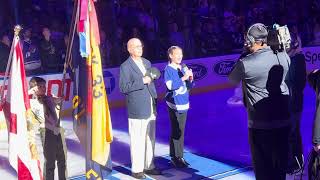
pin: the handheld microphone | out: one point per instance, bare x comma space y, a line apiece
185, 69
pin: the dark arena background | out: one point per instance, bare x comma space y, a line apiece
211, 35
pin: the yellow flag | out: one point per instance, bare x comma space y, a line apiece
101, 120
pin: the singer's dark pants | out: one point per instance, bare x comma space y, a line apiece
178, 122
53, 150
269, 152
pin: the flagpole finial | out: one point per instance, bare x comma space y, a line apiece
17, 30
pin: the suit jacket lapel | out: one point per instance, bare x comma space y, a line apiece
134, 66
145, 64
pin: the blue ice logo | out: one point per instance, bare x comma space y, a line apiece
109, 81
223, 68
199, 71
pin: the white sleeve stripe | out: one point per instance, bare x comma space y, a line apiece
181, 90
169, 84
178, 107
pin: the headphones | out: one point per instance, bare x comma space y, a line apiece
250, 40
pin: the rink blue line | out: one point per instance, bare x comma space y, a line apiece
110, 177
200, 168
206, 167
230, 173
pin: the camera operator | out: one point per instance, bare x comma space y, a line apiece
262, 73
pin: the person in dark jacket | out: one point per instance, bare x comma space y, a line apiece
296, 81
49, 53
32, 62
314, 162
314, 81
141, 95
4, 52
45, 110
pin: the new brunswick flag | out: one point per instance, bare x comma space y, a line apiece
23, 155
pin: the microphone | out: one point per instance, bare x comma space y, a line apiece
185, 69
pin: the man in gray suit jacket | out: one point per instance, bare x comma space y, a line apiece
141, 95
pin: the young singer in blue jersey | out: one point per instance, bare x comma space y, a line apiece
179, 80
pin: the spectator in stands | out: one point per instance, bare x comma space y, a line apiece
135, 32
5, 39
56, 30
63, 49
148, 24
31, 54
175, 36
105, 47
211, 43
152, 18
4, 51
229, 19
36, 29
237, 36
118, 50
164, 16
203, 8
229, 28
188, 43
129, 15
316, 32
49, 56
197, 36
255, 14
214, 10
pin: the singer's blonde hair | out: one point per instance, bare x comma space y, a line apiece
170, 51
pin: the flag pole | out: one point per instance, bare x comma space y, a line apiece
68, 57
17, 30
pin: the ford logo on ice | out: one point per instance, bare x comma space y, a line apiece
199, 71
223, 68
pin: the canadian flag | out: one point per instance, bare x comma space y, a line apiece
23, 155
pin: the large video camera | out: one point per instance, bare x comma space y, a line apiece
279, 38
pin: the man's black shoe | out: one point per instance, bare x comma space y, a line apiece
176, 162
183, 161
139, 175
153, 171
